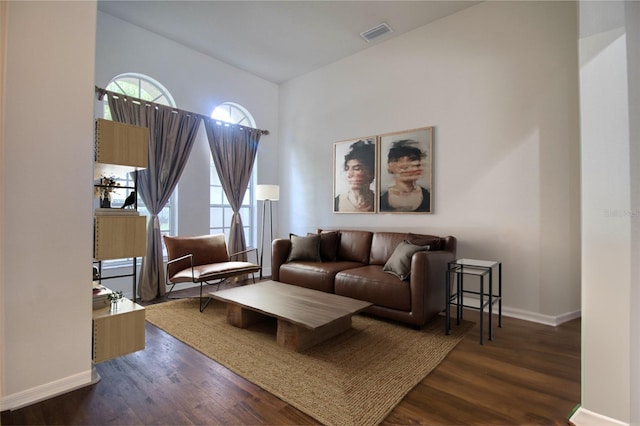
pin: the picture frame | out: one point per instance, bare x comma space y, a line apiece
355, 175
405, 177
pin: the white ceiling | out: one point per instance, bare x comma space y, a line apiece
278, 40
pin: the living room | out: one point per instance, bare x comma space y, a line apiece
498, 81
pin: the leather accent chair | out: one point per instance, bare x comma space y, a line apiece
204, 260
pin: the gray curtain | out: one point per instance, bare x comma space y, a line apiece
171, 136
234, 150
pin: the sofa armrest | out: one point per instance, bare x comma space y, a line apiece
280, 249
428, 281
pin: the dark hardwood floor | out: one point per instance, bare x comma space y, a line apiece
528, 375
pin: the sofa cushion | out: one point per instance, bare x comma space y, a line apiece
399, 264
314, 275
382, 246
304, 248
371, 284
355, 246
435, 243
328, 245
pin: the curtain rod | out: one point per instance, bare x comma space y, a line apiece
102, 92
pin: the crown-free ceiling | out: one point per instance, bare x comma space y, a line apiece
278, 40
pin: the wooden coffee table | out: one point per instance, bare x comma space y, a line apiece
305, 317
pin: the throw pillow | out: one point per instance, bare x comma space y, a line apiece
399, 264
328, 245
304, 248
434, 243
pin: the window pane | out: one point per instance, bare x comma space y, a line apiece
228, 213
245, 214
217, 196
215, 218
247, 236
164, 218
214, 179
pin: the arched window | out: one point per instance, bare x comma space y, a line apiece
138, 86
230, 112
220, 211
144, 87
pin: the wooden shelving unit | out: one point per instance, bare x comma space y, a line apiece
118, 234
119, 148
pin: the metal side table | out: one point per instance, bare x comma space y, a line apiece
481, 269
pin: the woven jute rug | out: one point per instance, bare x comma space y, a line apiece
355, 378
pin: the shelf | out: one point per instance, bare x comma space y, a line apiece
121, 144
473, 302
119, 332
120, 236
101, 169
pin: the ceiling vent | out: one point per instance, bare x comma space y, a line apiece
375, 32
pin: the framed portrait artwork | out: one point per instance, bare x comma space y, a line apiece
354, 175
405, 172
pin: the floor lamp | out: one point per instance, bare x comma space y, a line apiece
266, 194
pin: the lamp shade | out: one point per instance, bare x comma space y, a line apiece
268, 192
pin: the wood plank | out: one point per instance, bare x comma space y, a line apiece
120, 143
117, 237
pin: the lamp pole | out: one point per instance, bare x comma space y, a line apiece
268, 194
264, 209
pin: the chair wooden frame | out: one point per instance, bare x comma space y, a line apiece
203, 268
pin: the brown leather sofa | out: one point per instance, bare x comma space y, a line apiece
355, 269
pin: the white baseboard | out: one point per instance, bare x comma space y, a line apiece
584, 417
527, 315
551, 320
48, 390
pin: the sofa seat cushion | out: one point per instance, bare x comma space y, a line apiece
214, 271
372, 284
314, 275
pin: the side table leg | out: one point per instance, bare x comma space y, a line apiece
459, 296
500, 294
482, 309
447, 303
490, 304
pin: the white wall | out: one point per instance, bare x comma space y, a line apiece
46, 199
610, 99
499, 81
197, 83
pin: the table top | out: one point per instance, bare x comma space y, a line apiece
475, 262
299, 305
